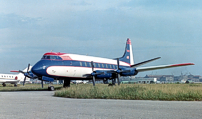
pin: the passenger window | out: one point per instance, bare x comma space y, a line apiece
89, 64
102, 66
110, 66
80, 63
99, 65
106, 65
85, 64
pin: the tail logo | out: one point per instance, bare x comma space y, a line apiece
129, 42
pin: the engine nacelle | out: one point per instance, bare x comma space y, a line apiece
104, 74
129, 71
45, 78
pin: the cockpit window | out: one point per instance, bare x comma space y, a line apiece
52, 57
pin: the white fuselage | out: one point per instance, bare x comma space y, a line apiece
80, 71
11, 78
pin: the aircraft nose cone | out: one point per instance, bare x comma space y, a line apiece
38, 69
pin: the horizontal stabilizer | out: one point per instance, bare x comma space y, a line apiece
15, 71
141, 69
142, 63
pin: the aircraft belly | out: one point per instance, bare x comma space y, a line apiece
66, 71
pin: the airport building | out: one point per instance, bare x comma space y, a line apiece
141, 80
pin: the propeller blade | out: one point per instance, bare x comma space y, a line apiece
28, 68
118, 72
93, 80
21, 72
118, 79
25, 74
92, 66
118, 63
24, 81
42, 83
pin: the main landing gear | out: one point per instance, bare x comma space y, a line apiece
15, 85
113, 82
4, 85
66, 83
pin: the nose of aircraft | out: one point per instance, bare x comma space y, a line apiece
38, 69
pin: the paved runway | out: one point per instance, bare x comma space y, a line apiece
42, 104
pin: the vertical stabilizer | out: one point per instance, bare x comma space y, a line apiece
128, 55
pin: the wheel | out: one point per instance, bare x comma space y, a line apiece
51, 88
15, 85
4, 84
110, 84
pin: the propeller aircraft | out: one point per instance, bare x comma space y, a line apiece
67, 67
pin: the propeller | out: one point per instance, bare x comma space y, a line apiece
118, 71
42, 83
93, 74
26, 74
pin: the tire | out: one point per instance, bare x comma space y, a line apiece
51, 88
4, 85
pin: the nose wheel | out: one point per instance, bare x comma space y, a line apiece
51, 88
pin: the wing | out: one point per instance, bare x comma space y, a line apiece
141, 69
142, 63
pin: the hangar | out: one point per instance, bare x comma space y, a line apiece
140, 80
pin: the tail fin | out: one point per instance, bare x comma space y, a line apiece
128, 55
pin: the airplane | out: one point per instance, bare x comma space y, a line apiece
12, 78
67, 67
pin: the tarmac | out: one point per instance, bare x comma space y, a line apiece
43, 105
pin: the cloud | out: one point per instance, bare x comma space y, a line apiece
17, 21
171, 29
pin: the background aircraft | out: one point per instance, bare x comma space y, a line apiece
13, 78
67, 67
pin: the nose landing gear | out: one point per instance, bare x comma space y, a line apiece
50, 87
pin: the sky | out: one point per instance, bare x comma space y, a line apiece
171, 29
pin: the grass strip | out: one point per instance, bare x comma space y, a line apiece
171, 92
27, 87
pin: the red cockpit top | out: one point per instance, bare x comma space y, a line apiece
54, 53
